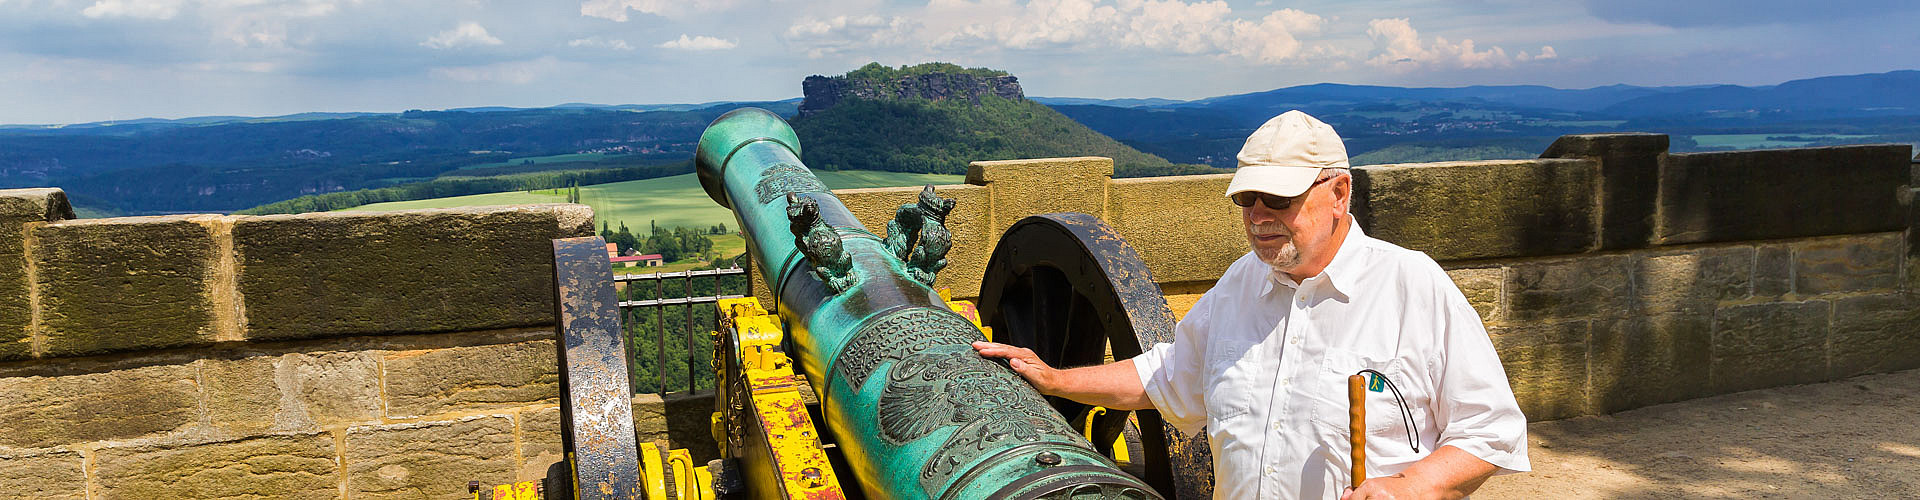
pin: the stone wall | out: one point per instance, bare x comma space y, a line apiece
307, 356
1610, 273
404, 354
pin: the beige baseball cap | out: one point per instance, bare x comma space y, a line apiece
1286, 154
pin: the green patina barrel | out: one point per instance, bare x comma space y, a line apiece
916, 412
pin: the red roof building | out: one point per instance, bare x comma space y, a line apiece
648, 260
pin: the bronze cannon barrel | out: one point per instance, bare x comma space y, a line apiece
916, 412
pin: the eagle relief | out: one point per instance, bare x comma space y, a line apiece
951, 385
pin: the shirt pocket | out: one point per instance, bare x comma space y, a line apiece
1388, 437
1229, 381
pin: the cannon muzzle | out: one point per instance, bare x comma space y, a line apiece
916, 413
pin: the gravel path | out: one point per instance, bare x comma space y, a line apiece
1855, 438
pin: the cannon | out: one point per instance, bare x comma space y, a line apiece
857, 380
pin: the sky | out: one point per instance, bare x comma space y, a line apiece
76, 61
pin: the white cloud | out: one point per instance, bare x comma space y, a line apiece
616, 10
141, 9
1546, 52
595, 42
701, 42
1168, 26
840, 34
1398, 45
466, 35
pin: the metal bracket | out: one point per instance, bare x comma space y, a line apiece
769, 430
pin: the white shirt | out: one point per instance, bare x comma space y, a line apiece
1262, 362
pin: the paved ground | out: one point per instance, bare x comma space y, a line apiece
1856, 438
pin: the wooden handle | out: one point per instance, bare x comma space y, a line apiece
1357, 425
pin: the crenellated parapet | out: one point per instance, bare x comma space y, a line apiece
405, 353
1611, 273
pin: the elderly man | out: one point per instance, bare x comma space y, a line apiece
1262, 360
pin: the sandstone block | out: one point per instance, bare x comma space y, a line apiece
1769, 345
39, 412
333, 387
1482, 288
1019, 188
35, 204
1851, 264
1772, 270
1482, 209
1193, 240
1547, 367
1647, 360
1738, 195
1911, 280
243, 395
1629, 166
17, 208
540, 442
124, 284
649, 418
1875, 333
429, 460
681, 421
689, 418
1694, 281
1568, 289
347, 273
968, 222
58, 475
292, 466
435, 381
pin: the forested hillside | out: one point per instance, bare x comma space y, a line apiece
917, 135
936, 117
173, 167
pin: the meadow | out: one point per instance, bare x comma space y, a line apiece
666, 202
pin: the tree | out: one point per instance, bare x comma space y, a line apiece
625, 239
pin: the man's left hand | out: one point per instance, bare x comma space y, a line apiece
1394, 487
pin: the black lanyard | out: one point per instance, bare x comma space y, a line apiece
1413, 432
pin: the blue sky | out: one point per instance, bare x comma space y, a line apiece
69, 61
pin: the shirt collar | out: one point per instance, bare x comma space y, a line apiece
1340, 273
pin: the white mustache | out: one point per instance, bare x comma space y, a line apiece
1270, 229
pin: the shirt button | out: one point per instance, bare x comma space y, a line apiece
1294, 341
1283, 380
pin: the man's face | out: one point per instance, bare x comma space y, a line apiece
1303, 231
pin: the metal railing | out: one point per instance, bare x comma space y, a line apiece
650, 311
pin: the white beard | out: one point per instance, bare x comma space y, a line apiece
1284, 260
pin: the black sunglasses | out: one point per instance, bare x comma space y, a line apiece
1245, 198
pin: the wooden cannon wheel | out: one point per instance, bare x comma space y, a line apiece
1067, 286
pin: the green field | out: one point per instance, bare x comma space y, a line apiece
536, 160
667, 201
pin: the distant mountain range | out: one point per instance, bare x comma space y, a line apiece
1876, 93
224, 163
